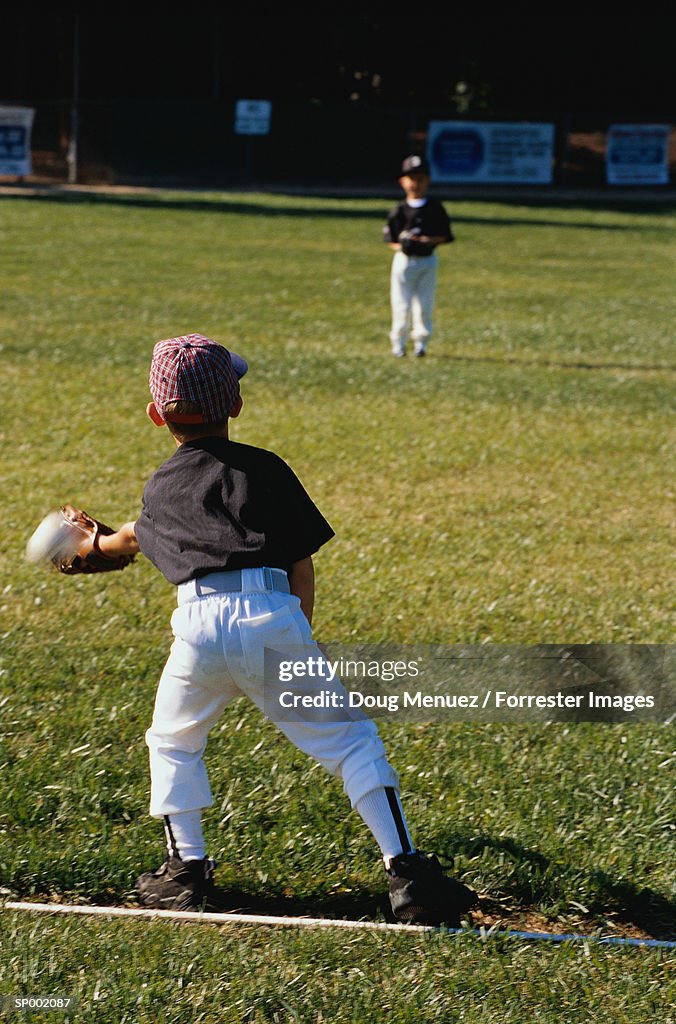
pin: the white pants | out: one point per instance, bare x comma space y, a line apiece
217, 655
413, 282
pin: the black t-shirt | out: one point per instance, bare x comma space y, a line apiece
430, 219
218, 505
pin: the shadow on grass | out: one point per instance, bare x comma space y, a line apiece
204, 204
537, 878
530, 880
74, 883
556, 365
359, 904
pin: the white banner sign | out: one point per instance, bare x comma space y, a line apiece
252, 117
15, 140
479, 151
638, 154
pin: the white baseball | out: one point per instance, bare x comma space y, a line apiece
55, 537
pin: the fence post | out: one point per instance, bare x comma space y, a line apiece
72, 155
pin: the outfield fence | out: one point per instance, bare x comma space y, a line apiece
192, 142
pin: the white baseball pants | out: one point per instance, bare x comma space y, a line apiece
217, 655
413, 282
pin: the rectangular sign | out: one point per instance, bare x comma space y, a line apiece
252, 117
480, 151
638, 154
15, 140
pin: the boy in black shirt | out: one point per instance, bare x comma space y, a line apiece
232, 526
415, 227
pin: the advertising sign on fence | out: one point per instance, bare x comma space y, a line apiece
15, 140
252, 117
638, 154
479, 151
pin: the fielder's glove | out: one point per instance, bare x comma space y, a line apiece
94, 561
410, 244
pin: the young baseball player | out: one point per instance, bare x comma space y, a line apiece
231, 526
414, 229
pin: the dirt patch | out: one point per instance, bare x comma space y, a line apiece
529, 919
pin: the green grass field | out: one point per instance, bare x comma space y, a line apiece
514, 487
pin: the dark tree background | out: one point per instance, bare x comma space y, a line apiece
495, 65
351, 92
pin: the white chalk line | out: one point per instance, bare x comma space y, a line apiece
320, 922
206, 918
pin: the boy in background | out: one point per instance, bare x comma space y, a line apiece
414, 229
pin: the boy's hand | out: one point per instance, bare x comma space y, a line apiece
414, 244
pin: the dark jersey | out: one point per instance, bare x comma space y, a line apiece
218, 505
430, 219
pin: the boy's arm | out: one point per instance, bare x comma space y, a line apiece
391, 232
123, 542
434, 239
442, 232
302, 584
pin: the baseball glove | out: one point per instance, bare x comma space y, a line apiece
94, 561
411, 246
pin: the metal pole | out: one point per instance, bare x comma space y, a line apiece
564, 151
72, 156
249, 158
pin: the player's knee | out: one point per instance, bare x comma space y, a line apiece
360, 778
174, 745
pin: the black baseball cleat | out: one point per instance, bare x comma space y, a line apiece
181, 885
420, 893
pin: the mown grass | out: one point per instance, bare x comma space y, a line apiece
156, 971
514, 487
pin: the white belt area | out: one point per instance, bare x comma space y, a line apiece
244, 581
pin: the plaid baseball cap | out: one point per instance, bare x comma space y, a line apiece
195, 369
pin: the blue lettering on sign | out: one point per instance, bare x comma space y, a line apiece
11, 135
458, 151
636, 155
